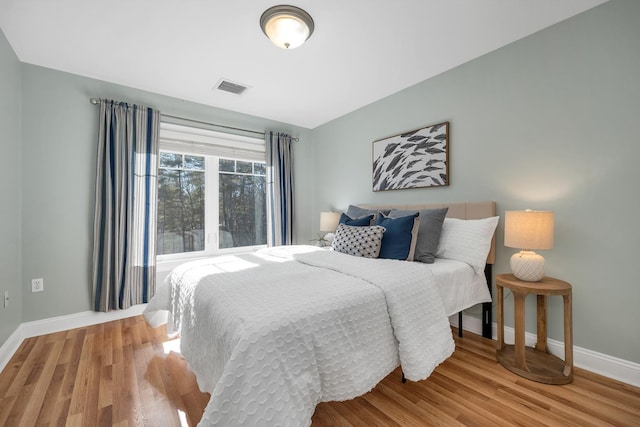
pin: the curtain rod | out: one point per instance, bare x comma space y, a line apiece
96, 101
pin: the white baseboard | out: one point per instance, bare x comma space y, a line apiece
608, 366
60, 323
9, 347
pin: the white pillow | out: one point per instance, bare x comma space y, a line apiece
358, 241
468, 240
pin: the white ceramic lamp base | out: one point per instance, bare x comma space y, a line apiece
527, 266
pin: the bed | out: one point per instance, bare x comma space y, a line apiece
272, 333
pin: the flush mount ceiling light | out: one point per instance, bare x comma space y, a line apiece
286, 26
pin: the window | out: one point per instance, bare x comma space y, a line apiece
242, 204
211, 193
181, 209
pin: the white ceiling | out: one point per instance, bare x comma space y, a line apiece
361, 50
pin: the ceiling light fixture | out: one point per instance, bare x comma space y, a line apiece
286, 26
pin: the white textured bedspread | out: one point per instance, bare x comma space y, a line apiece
270, 334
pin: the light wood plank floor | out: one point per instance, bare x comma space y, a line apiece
121, 373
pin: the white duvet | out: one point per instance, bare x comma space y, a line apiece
270, 334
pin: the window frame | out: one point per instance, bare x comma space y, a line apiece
197, 141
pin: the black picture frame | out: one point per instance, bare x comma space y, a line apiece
414, 159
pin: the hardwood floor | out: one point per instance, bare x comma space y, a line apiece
122, 373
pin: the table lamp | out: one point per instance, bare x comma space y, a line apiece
528, 230
328, 224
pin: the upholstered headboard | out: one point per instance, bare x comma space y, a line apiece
464, 210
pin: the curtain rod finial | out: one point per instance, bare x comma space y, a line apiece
94, 101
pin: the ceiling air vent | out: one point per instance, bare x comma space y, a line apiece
229, 86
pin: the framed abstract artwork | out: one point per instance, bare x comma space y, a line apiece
419, 158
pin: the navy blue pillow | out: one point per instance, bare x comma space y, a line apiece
398, 236
356, 222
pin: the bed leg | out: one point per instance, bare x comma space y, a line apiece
487, 307
460, 324
404, 380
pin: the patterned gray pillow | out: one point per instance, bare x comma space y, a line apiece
358, 241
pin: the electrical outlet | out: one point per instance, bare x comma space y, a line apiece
37, 285
6, 299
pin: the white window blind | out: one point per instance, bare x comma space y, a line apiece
185, 139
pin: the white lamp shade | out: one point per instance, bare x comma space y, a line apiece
287, 26
329, 221
528, 229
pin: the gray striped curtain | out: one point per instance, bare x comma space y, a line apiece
279, 189
124, 231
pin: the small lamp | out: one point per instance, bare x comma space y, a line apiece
286, 26
528, 230
328, 223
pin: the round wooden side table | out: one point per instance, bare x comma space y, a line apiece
535, 363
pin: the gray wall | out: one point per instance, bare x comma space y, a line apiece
59, 139
10, 317
548, 122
